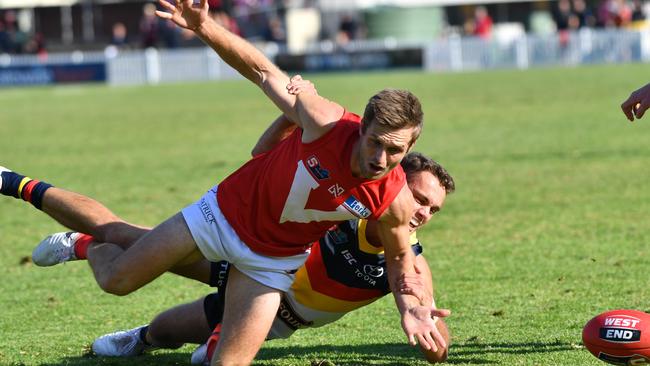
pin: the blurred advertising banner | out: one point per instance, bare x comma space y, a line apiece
357, 60
52, 74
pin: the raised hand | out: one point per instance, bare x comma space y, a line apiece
185, 13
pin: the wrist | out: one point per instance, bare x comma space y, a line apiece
201, 28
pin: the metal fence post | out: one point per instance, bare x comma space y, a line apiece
152, 65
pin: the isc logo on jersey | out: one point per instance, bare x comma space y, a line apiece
620, 329
357, 208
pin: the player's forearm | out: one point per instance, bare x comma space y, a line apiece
250, 63
396, 265
237, 52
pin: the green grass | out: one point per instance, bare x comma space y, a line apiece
548, 226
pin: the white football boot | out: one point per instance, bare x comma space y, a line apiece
125, 343
56, 248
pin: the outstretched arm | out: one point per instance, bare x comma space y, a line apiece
417, 321
420, 285
282, 127
86, 215
637, 103
248, 61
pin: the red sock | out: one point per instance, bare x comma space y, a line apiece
81, 246
212, 342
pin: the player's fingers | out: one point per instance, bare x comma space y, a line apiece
438, 339
440, 313
410, 279
431, 342
163, 15
408, 291
408, 284
423, 342
295, 90
296, 78
409, 288
302, 83
627, 107
412, 340
640, 108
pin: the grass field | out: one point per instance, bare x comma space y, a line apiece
548, 227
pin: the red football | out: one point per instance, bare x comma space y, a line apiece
619, 337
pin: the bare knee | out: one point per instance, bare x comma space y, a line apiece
114, 283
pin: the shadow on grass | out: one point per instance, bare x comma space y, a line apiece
470, 348
385, 354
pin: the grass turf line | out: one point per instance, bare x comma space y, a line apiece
547, 227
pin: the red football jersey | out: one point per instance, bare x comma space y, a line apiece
283, 200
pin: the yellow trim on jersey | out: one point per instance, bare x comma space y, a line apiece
22, 185
306, 296
365, 246
413, 239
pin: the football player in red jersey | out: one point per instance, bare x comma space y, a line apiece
345, 271
356, 253
336, 166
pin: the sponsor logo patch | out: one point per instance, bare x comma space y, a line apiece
357, 208
620, 335
374, 271
289, 316
221, 273
316, 170
208, 215
622, 321
336, 190
620, 329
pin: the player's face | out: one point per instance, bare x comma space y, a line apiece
428, 197
382, 149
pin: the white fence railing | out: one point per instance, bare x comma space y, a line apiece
585, 47
453, 53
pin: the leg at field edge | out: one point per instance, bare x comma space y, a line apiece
121, 272
181, 324
249, 312
83, 214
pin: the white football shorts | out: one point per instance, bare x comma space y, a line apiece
218, 241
